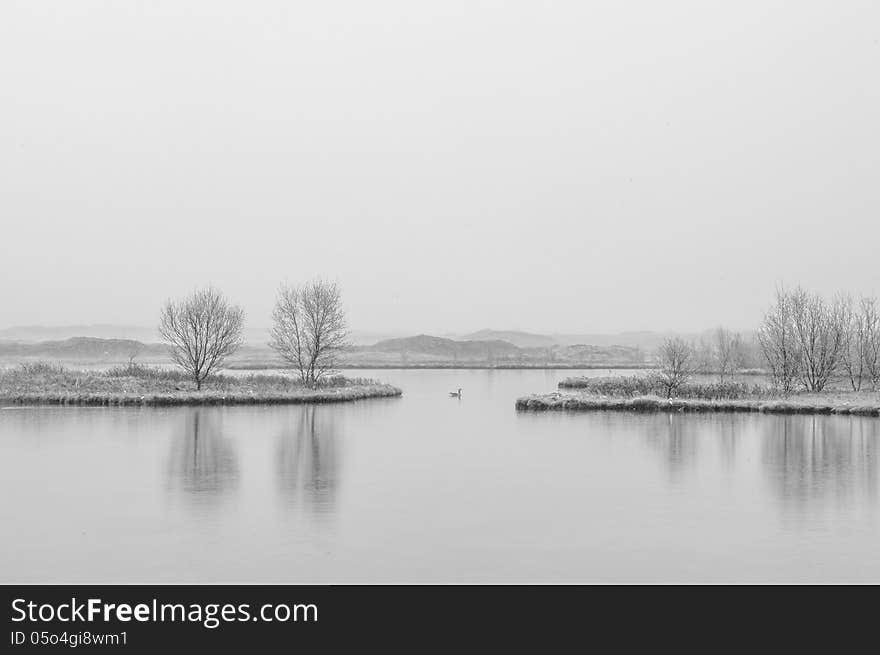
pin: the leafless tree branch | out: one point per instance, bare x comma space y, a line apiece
201, 330
677, 362
309, 328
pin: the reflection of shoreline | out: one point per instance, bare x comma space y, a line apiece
203, 463
307, 460
811, 458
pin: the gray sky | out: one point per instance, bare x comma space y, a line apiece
555, 166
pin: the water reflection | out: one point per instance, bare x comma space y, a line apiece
307, 459
203, 463
817, 458
809, 460
730, 429
423, 488
676, 437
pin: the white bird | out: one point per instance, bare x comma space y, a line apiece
455, 394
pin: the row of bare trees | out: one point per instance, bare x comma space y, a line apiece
860, 359
724, 353
806, 340
309, 330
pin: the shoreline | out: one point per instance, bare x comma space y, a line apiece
137, 385
652, 404
195, 398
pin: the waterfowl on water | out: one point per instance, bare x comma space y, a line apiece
455, 394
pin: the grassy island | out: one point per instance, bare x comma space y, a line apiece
48, 384
641, 394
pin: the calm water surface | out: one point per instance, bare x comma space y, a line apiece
426, 488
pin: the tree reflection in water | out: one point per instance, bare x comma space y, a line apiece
308, 459
203, 463
676, 437
820, 458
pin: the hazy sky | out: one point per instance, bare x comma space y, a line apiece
555, 166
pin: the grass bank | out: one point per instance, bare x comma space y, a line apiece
47, 384
851, 404
630, 386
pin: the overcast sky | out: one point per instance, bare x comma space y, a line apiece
553, 166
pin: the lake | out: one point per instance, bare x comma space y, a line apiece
428, 488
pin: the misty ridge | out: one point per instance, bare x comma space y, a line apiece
107, 343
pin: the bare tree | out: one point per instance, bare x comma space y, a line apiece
134, 349
309, 328
861, 348
729, 353
852, 359
820, 330
676, 360
201, 330
779, 345
871, 349
703, 357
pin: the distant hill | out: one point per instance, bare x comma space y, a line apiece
145, 334
107, 351
425, 349
82, 348
259, 336
598, 355
448, 348
646, 340
517, 338
485, 347
36, 333
419, 350
366, 338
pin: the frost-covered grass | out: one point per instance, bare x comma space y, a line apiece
629, 386
837, 403
42, 383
